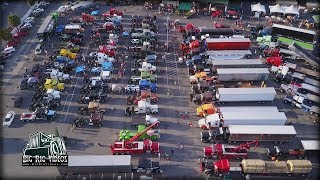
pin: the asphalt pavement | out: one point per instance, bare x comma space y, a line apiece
84, 141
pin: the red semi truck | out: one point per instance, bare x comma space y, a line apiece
228, 43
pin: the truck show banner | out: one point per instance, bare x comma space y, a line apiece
45, 150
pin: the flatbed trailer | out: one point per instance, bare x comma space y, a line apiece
261, 132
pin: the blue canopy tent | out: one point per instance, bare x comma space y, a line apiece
80, 69
61, 59
107, 66
94, 13
95, 70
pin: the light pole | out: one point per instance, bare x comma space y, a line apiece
168, 18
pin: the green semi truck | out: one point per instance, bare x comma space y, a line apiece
152, 134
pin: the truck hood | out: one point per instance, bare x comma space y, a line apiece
199, 110
201, 122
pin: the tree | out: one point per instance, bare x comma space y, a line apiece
31, 2
5, 34
14, 20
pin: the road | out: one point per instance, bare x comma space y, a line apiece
174, 130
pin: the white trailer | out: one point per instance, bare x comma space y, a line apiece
248, 109
261, 132
312, 82
245, 94
96, 164
234, 62
228, 54
311, 145
243, 74
242, 118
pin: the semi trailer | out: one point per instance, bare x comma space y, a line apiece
227, 43
224, 119
235, 133
216, 31
245, 94
96, 164
257, 167
235, 63
243, 74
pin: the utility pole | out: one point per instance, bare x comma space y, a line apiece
168, 18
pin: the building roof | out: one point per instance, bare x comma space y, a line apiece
99, 160
261, 129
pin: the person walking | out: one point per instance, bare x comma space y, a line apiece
172, 151
99, 144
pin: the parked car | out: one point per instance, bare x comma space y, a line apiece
30, 21
29, 18
28, 25
38, 49
20, 34
8, 50
38, 10
9, 118
13, 43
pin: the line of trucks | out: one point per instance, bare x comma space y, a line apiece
301, 91
239, 123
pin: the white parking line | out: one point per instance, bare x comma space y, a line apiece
74, 89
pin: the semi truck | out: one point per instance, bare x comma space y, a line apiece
245, 94
228, 43
242, 118
258, 167
243, 74
240, 133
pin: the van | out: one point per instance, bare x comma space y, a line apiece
38, 49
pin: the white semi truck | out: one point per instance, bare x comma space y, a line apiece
243, 74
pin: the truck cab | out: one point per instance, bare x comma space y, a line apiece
209, 122
309, 102
288, 99
146, 107
205, 109
214, 135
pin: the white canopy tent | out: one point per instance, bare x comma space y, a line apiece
292, 10
277, 9
258, 8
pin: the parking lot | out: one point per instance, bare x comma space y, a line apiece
84, 141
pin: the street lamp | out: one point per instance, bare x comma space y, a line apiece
168, 18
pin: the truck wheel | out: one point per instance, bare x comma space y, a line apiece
285, 101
